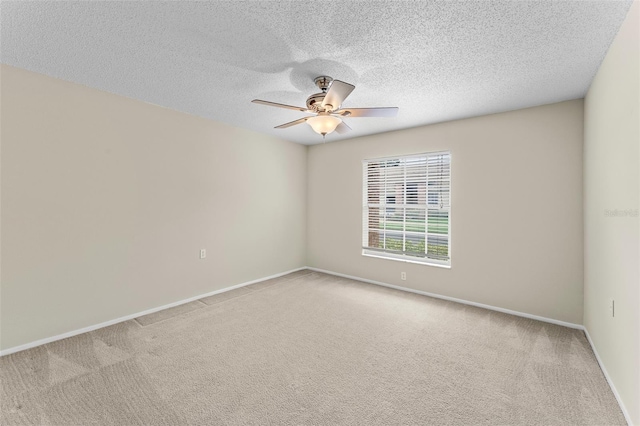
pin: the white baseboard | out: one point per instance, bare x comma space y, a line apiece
136, 315
453, 299
506, 311
606, 376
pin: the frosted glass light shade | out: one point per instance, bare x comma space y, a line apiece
324, 124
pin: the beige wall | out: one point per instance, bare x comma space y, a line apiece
612, 182
106, 202
516, 214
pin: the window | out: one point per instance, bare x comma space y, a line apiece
391, 200
407, 207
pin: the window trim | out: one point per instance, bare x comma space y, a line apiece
402, 258
381, 254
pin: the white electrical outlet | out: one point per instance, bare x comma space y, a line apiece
612, 308
203, 253
403, 276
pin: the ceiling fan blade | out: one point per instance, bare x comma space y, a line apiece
343, 128
275, 104
292, 123
369, 112
338, 92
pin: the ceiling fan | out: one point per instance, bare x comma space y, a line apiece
326, 107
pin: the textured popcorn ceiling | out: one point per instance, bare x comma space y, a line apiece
435, 60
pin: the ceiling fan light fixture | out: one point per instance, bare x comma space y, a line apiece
323, 124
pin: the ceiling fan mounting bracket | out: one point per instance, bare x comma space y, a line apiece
323, 82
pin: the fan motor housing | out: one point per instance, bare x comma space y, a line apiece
314, 102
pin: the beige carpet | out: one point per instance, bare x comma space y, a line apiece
312, 349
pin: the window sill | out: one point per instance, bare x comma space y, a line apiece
437, 265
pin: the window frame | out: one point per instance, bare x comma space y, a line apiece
380, 253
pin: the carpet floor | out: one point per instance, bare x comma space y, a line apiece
312, 349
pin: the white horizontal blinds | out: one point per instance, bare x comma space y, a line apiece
438, 204
406, 206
